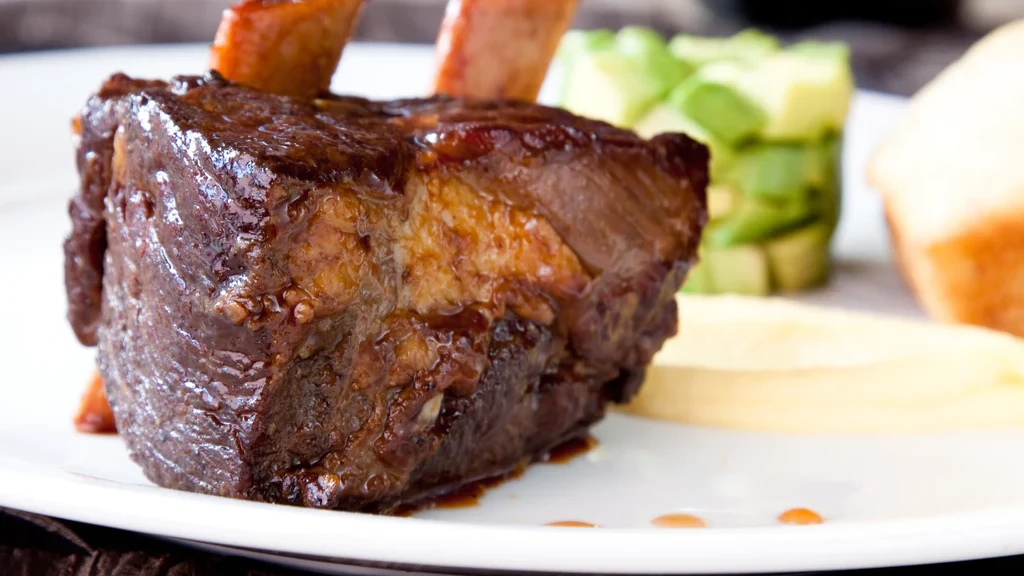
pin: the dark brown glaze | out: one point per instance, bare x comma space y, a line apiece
347, 304
570, 450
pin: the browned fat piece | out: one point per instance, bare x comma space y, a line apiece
499, 48
341, 303
284, 46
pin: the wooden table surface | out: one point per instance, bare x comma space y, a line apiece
37, 545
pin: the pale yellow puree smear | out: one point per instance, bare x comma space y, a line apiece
769, 364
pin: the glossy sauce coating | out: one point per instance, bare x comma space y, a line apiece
340, 303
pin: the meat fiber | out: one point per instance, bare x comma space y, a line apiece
350, 304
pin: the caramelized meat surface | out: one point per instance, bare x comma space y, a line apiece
350, 304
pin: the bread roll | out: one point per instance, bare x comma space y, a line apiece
952, 178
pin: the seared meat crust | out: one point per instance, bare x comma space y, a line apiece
350, 304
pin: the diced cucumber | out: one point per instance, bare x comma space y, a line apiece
609, 86
755, 220
739, 270
722, 201
746, 46
711, 98
800, 259
803, 96
664, 118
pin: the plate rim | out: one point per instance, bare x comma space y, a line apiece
183, 515
975, 534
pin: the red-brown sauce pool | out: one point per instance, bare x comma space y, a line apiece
570, 449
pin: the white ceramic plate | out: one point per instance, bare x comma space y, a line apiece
887, 500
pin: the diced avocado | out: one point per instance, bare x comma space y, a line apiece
827, 50
651, 53
609, 86
754, 220
698, 281
752, 41
778, 171
664, 118
577, 43
800, 259
639, 40
722, 201
739, 270
803, 96
746, 46
819, 170
711, 98
832, 188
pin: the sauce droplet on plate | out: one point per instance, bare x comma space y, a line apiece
679, 521
571, 524
800, 516
570, 449
94, 415
466, 496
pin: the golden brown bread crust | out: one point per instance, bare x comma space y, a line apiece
975, 277
951, 179
289, 48
499, 48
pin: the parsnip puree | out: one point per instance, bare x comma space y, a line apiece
768, 364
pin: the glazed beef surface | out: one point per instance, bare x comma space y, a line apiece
351, 304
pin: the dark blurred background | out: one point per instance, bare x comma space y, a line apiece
897, 45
